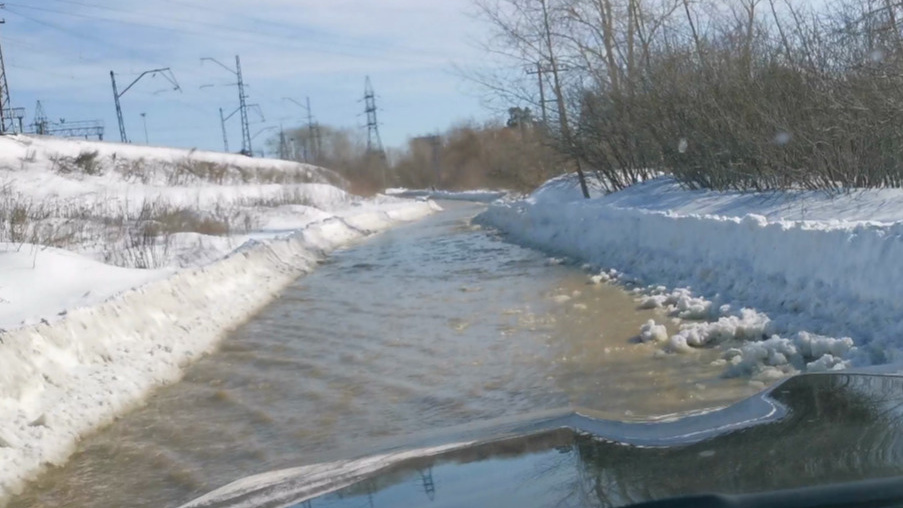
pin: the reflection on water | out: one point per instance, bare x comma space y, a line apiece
839, 428
426, 326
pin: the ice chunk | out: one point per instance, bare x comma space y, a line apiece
652, 332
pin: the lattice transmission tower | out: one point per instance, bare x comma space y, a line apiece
41, 123
7, 117
374, 142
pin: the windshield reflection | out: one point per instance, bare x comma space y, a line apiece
837, 428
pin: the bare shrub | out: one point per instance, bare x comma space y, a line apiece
45, 223
288, 196
189, 170
135, 170
246, 174
86, 162
162, 220
139, 249
740, 94
18, 218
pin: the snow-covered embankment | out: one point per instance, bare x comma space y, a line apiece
60, 380
782, 282
86, 340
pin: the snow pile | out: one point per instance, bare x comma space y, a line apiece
748, 325
83, 340
684, 304
773, 284
652, 332
776, 357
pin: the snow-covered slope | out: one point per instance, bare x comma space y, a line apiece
81, 339
781, 282
69, 209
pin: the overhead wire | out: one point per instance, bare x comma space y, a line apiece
177, 25
334, 39
103, 44
229, 32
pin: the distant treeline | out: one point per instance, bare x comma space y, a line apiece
516, 156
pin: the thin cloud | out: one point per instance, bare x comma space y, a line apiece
62, 51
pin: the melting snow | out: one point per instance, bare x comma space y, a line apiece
781, 282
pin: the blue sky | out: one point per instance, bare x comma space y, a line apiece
61, 52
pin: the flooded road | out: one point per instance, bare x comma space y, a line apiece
427, 326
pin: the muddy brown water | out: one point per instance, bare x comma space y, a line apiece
429, 325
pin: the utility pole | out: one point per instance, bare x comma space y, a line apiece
6, 121
541, 71
165, 72
283, 146
116, 96
144, 121
222, 123
312, 147
313, 133
242, 104
542, 90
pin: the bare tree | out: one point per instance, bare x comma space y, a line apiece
530, 30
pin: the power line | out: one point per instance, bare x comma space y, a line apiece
228, 32
72, 33
334, 39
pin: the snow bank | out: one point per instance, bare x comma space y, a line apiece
81, 340
804, 261
62, 379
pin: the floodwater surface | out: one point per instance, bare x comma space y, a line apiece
427, 326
